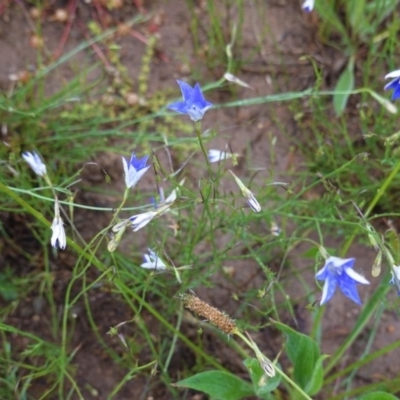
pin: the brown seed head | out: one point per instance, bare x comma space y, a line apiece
213, 315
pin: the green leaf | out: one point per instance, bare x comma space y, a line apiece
378, 396
262, 383
315, 383
8, 291
357, 15
330, 15
344, 85
304, 353
219, 385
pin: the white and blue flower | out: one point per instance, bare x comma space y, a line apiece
139, 221
218, 155
339, 272
248, 195
394, 84
35, 162
58, 237
152, 261
194, 104
134, 170
308, 5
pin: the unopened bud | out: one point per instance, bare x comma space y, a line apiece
376, 268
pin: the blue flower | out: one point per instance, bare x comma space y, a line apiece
394, 84
339, 272
308, 5
194, 104
134, 170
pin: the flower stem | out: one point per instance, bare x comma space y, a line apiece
198, 133
116, 213
380, 192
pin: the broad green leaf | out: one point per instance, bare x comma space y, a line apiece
262, 383
304, 353
378, 396
315, 383
311, 252
344, 85
356, 12
219, 385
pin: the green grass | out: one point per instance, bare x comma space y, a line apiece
344, 193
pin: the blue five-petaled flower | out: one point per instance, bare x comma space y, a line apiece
194, 104
339, 272
134, 170
394, 84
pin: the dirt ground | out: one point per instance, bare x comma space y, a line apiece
290, 35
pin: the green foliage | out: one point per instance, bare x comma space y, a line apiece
377, 396
357, 23
262, 384
219, 385
344, 86
219, 37
304, 353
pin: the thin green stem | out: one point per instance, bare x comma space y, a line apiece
198, 133
381, 191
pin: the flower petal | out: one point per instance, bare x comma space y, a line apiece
58, 237
152, 261
197, 96
393, 74
140, 220
328, 290
308, 6
356, 276
178, 106
340, 263
348, 287
217, 155
35, 162
396, 270
322, 274
392, 85
396, 92
186, 89
253, 203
